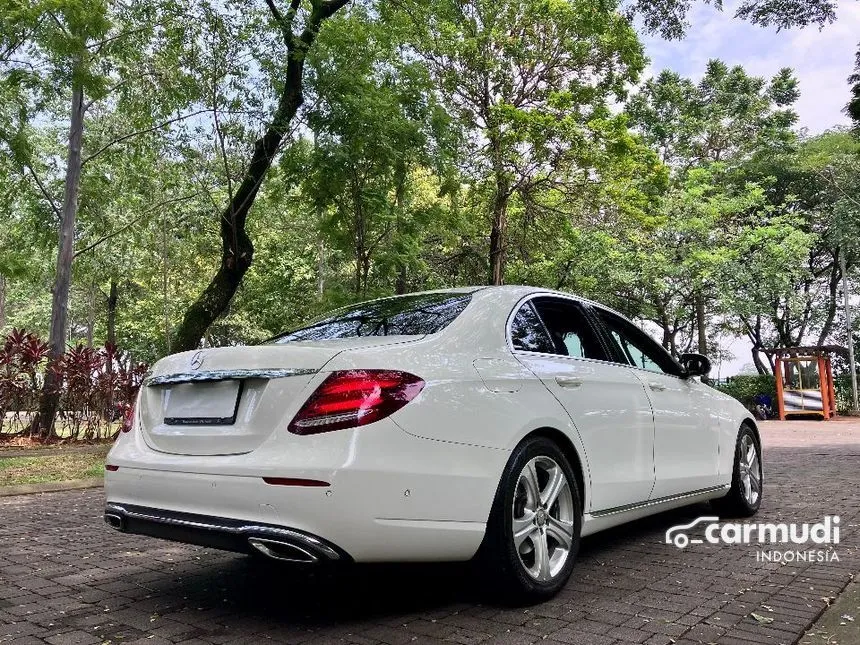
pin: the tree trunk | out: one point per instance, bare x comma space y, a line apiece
91, 315
237, 250
497, 233
113, 296
832, 297
498, 212
50, 397
165, 284
2, 301
321, 268
399, 201
760, 367
701, 328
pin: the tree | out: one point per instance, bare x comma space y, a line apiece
237, 249
376, 125
669, 19
714, 125
528, 82
853, 107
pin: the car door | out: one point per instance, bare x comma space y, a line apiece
686, 441
554, 338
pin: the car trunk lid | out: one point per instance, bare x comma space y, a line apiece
228, 400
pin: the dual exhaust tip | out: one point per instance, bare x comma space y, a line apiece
283, 551
302, 551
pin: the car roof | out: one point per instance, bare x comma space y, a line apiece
515, 291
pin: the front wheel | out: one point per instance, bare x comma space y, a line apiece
744, 497
534, 526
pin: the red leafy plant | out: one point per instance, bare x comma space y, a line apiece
21, 360
97, 387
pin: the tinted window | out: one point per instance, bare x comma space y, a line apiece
528, 333
568, 328
637, 347
414, 315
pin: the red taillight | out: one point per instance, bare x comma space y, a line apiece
355, 398
111, 468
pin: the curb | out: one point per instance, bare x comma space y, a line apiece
10, 453
51, 487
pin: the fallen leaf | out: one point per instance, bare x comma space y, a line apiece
762, 620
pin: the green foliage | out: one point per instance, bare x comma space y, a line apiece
853, 107
746, 387
435, 139
669, 18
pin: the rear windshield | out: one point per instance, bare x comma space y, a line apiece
414, 315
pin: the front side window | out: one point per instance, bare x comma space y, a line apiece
637, 347
569, 332
414, 315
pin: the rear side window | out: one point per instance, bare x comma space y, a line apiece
414, 315
528, 333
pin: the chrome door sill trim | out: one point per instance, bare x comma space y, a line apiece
226, 375
657, 502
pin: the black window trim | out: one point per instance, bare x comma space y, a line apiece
598, 327
589, 319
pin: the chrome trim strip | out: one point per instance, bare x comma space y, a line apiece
226, 375
251, 530
657, 502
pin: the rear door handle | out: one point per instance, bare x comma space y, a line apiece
568, 382
657, 387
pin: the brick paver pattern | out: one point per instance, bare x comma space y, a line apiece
66, 578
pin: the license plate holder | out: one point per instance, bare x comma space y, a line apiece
210, 403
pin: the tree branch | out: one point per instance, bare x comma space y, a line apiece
131, 135
127, 226
45, 192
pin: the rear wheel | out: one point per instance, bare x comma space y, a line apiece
744, 497
533, 531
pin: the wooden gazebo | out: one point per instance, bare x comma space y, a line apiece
804, 380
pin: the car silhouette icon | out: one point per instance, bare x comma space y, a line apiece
676, 536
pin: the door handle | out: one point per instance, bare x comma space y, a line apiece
569, 382
657, 387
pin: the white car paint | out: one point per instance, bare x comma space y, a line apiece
419, 484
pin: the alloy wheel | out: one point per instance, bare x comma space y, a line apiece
543, 518
750, 470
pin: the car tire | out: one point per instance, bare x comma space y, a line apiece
537, 561
744, 496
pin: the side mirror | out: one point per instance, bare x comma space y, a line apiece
695, 364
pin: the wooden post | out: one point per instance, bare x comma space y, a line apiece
777, 373
831, 387
825, 390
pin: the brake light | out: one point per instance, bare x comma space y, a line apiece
353, 398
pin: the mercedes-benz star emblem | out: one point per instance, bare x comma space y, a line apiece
197, 361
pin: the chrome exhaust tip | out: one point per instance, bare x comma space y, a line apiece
115, 521
283, 551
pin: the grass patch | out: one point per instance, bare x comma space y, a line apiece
54, 468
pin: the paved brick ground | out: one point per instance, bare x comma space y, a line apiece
66, 578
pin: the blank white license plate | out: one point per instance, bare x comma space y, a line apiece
212, 403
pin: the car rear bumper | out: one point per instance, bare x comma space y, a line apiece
378, 494
343, 514
275, 542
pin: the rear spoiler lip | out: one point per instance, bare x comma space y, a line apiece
226, 375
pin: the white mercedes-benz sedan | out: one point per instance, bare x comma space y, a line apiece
496, 423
